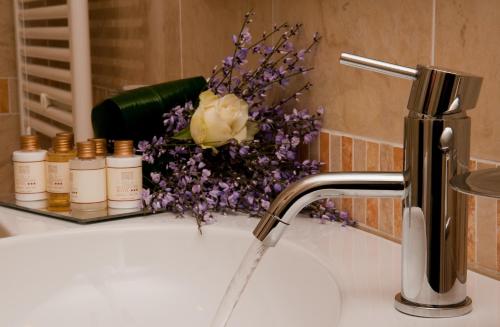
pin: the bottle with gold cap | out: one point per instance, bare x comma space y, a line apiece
100, 147
124, 175
58, 180
29, 170
88, 179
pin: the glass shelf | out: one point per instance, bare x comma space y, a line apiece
80, 217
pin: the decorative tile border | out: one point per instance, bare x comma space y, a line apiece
344, 152
8, 95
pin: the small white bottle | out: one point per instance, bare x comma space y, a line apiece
88, 179
124, 174
29, 170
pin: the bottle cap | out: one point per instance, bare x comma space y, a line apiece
123, 148
100, 146
29, 143
68, 135
85, 150
63, 142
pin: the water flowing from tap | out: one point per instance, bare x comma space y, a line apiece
238, 284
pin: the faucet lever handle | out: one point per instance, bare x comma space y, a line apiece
435, 91
378, 66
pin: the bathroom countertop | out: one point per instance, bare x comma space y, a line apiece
366, 267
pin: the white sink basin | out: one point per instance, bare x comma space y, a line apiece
157, 276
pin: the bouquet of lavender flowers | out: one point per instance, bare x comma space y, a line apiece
236, 150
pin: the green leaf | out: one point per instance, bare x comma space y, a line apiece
183, 135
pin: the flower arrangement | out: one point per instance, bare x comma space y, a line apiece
237, 149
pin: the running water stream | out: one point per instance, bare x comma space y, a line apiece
237, 285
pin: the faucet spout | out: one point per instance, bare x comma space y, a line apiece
307, 190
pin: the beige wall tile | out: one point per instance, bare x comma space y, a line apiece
372, 213
134, 42
314, 149
471, 229
466, 40
13, 105
346, 153
359, 155
7, 40
324, 151
117, 40
207, 27
398, 218
346, 144
359, 164
372, 156
336, 153
397, 159
359, 210
471, 222
346, 166
9, 130
347, 205
336, 160
163, 60
4, 95
486, 228
360, 102
386, 157
386, 216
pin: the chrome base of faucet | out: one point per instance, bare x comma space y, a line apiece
432, 311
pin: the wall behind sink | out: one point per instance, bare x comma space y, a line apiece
363, 127
149, 41
9, 117
135, 42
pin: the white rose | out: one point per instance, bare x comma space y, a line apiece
219, 119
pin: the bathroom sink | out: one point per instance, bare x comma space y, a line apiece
157, 276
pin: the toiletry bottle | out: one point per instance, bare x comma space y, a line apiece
58, 180
100, 147
29, 170
88, 179
124, 174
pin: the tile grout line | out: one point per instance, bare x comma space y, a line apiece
362, 138
393, 144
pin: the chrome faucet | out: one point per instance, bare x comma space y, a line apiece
436, 148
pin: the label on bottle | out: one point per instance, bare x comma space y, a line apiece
88, 185
58, 177
124, 184
29, 177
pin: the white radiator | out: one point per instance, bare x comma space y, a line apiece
54, 73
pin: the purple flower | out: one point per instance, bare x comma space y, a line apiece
155, 177
228, 61
245, 175
233, 199
301, 54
